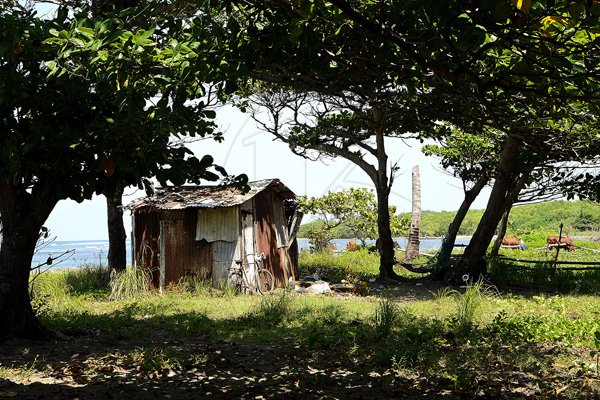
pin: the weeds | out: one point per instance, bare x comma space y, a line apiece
88, 279
386, 316
194, 286
129, 284
274, 308
467, 305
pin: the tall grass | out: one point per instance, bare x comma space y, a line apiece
194, 286
129, 284
88, 279
387, 314
53, 290
274, 308
467, 306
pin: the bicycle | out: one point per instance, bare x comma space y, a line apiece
262, 280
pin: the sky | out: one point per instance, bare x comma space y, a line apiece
247, 149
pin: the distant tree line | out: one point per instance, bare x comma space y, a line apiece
576, 217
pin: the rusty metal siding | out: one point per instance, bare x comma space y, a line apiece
218, 224
182, 254
146, 228
266, 235
225, 255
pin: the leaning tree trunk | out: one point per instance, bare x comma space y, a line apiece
117, 250
21, 220
512, 197
412, 248
473, 260
443, 258
501, 233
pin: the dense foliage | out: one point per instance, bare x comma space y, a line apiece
89, 105
576, 217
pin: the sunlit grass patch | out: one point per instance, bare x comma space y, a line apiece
348, 265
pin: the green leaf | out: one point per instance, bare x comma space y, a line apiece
77, 42
51, 65
87, 32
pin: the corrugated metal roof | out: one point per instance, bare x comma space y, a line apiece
180, 197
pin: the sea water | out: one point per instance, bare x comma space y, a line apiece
95, 252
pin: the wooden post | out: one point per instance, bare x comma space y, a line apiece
557, 249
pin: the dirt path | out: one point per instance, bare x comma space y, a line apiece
88, 368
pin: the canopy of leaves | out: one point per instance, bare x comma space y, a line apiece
490, 69
88, 104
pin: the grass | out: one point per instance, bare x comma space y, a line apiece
348, 265
129, 284
506, 272
460, 337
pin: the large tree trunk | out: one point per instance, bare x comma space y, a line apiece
412, 248
21, 219
473, 260
385, 241
443, 258
382, 188
117, 250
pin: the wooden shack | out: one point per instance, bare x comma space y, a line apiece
209, 231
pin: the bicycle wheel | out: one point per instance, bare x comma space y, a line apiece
265, 282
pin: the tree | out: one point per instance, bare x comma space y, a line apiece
117, 237
489, 61
355, 208
509, 58
352, 124
474, 65
470, 158
63, 138
412, 248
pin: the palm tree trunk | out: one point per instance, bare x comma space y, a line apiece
412, 248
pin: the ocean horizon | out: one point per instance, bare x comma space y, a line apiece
77, 253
